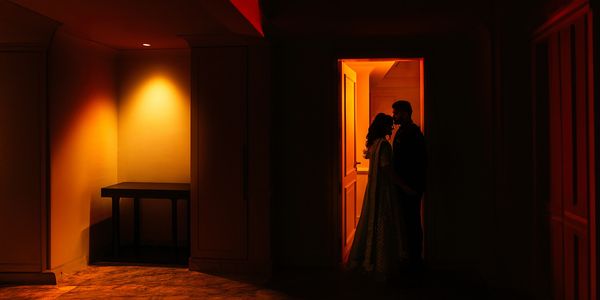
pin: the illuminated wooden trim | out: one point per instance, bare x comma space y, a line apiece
563, 17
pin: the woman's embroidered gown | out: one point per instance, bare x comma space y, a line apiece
378, 244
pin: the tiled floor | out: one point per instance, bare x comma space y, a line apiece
140, 282
107, 282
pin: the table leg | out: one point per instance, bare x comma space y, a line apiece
136, 224
115, 223
174, 222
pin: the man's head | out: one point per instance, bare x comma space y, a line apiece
402, 112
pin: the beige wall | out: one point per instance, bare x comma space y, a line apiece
83, 144
154, 133
403, 81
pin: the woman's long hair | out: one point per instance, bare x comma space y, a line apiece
381, 126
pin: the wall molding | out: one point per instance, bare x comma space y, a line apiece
70, 267
22, 278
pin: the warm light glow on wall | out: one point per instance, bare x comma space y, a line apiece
154, 131
83, 138
81, 159
156, 100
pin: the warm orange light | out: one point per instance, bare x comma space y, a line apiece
154, 132
422, 96
146, 45
156, 98
84, 158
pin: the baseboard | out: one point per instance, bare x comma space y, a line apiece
255, 270
70, 267
25, 278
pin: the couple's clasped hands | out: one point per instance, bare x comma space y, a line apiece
400, 182
407, 190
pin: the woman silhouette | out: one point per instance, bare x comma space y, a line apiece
378, 246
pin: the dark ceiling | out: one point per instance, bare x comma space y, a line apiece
127, 24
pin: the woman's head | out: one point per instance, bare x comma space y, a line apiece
382, 125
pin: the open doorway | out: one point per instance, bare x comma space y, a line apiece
368, 87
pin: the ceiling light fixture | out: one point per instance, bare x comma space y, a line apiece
146, 45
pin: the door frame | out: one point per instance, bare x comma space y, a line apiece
343, 157
336, 208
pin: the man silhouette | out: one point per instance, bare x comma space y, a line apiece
409, 164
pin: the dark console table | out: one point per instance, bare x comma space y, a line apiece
144, 190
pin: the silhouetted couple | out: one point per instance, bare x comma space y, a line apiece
389, 234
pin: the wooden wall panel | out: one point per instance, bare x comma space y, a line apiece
230, 169
571, 125
576, 261
221, 210
566, 109
580, 124
557, 256
24, 39
22, 160
554, 126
